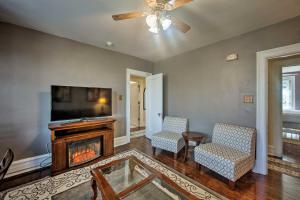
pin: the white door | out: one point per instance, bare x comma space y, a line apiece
154, 104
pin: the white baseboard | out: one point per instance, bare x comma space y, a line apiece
137, 134
33, 163
272, 151
121, 141
27, 164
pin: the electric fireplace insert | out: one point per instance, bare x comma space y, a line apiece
83, 151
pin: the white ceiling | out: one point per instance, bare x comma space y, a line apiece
89, 21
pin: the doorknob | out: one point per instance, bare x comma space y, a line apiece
159, 114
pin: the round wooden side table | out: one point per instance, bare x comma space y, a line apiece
191, 136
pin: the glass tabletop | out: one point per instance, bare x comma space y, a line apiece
125, 174
162, 191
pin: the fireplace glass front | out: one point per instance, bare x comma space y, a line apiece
83, 151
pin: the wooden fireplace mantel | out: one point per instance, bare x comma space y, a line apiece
64, 133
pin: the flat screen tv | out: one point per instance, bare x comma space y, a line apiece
70, 103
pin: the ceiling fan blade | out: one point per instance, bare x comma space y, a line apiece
127, 16
177, 4
180, 25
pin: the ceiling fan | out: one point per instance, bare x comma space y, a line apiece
159, 19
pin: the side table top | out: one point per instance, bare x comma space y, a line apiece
192, 135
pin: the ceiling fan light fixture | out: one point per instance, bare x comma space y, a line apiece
154, 29
170, 5
171, 2
158, 19
165, 23
151, 20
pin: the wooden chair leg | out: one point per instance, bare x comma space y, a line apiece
231, 184
95, 189
153, 151
175, 156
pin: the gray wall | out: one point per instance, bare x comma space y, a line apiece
203, 87
30, 62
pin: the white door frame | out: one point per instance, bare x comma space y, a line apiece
262, 58
130, 72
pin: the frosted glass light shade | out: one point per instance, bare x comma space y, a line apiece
165, 23
153, 29
154, 24
151, 20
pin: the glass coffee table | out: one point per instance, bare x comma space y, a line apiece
129, 178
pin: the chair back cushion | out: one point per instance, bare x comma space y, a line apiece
237, 137
175, 124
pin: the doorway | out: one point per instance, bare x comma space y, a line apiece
135, 87
284, 114
146, 106
137, 106
262, 57
291, 112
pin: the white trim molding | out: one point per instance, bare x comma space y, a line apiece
27, 164
262, 58
119, 141
130, 72
291, 69
32, 163
272, 151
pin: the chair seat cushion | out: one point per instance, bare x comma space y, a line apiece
227, 161
169, 141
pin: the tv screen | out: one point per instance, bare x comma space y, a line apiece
80, 102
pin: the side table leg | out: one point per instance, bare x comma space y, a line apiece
95, 189
186, 149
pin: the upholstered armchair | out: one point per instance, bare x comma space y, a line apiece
170, 138
231, 153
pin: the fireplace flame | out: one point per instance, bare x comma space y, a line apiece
84, 155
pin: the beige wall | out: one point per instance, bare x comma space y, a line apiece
275, 108
31, 61
203, 87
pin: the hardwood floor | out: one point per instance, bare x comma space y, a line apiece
137, 129
251, 186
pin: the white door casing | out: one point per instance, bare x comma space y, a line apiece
130, 72
154, 104
262, 58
